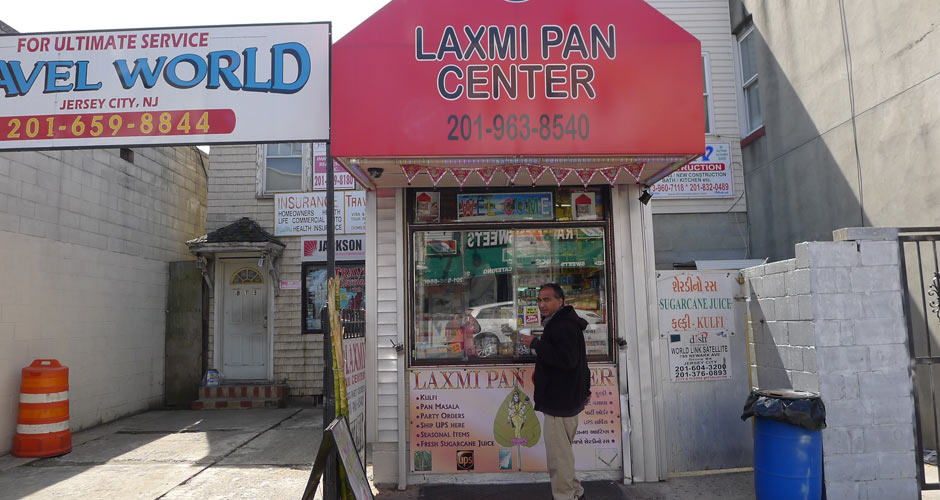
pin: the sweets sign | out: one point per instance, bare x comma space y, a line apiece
200, 85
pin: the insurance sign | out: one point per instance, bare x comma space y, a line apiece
197, 85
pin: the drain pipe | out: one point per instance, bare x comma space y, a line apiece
402, 422
400, 351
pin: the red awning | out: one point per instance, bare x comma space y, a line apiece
544, 85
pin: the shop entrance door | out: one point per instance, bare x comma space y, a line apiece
245, 322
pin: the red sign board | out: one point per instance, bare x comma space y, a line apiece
503, 77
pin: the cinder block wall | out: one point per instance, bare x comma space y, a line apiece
782, 347
831, 320
86, 238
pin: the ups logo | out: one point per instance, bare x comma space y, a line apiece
464, 459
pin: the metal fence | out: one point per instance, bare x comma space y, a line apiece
354, 323
920, 274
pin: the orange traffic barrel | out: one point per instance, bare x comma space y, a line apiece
42, 428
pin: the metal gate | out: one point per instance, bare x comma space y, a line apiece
920, 274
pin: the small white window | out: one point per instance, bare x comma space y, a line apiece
283, 168
752, 118
707, 92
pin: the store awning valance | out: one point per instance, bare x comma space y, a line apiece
435, 92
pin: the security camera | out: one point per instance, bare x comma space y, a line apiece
375, 172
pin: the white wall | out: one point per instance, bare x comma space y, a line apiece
385, 235
85, 238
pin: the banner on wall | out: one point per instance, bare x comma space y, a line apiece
708, 176
342, 179
197, 85
483, 420
696, 318
354, 357
302, 214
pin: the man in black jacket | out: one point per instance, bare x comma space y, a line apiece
562, 386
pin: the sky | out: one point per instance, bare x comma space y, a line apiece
74, 15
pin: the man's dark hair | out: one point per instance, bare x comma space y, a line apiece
559, 293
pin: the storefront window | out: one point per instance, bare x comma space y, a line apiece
351, 302
475, 289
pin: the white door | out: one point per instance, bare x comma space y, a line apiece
245, 323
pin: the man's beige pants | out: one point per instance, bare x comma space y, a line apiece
559, 433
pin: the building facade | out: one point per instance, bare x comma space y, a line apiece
711, 221
836, 115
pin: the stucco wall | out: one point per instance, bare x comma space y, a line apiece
704, 236
848, 97
86, 238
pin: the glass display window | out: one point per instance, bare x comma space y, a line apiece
476, 289
351, 301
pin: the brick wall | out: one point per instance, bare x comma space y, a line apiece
831, 320
85, 238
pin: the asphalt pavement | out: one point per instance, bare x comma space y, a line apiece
260, 454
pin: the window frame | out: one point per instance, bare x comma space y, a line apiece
306, 163
606, 224
744, 111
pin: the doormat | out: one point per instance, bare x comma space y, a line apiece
593, 490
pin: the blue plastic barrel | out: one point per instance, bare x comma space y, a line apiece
787, 461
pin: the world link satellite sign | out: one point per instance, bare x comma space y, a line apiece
497, 77
197, 85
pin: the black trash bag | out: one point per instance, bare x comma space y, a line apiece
800, 408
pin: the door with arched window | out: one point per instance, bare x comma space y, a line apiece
244, 336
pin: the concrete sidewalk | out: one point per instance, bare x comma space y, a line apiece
258, 454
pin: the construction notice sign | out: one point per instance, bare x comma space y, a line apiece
708, 176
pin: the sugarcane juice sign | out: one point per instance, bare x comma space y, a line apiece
484, 420
504, 207
198, 85
697, 321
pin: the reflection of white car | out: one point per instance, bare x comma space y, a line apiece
498, 321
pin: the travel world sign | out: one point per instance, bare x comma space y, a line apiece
199, 85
